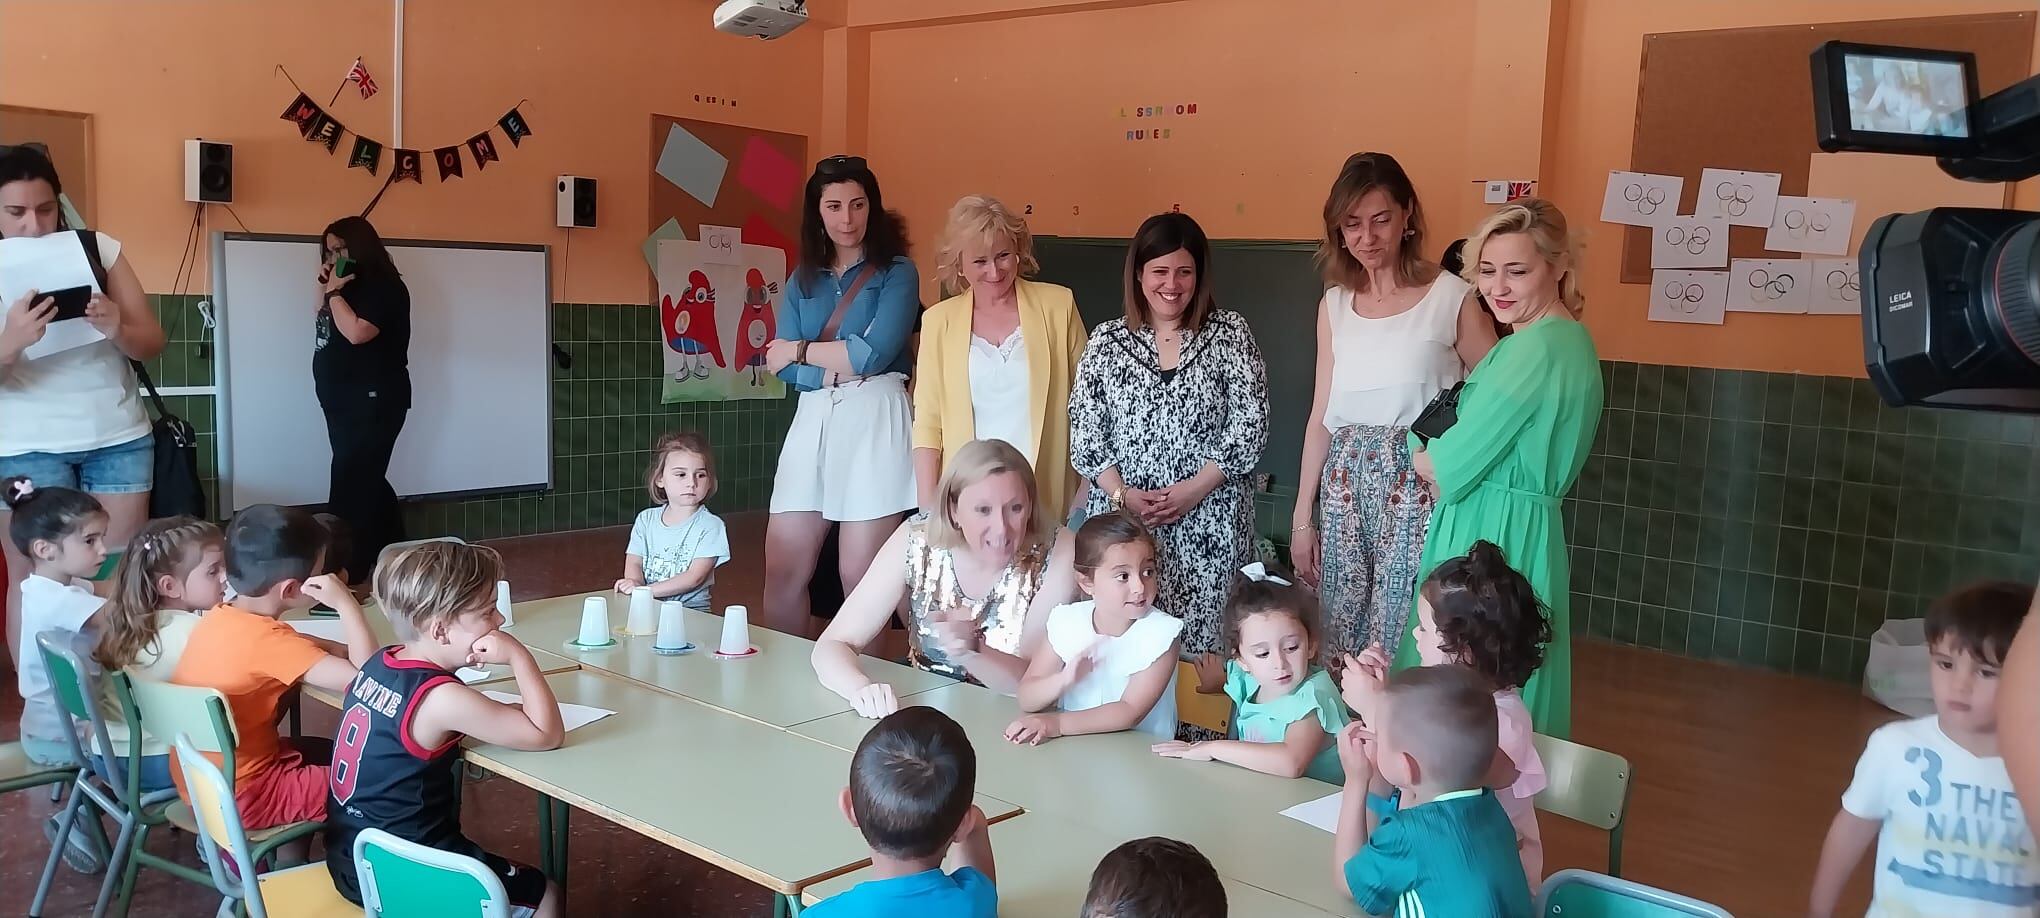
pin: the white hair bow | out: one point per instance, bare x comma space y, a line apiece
23, 488
1259, 572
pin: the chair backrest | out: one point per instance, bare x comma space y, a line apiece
1575, 893
219, 824
1583, 783
1212, 712
78, 688
400, 879
196, 712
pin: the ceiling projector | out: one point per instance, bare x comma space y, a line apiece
760, 18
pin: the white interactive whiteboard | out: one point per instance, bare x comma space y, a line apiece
481, 405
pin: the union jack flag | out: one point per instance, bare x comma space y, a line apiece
359, 74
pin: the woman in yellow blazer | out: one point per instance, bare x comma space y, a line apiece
996, 360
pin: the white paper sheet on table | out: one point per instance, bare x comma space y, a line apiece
52, 262
1641, 198
1836, 287
325, 629
1322, 812
1690, 242
1815, 226
1694, 297
1743, 198
1769, 285
574, 716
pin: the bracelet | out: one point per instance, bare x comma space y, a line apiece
1303, 527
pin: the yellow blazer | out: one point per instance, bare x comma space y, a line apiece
1054, 337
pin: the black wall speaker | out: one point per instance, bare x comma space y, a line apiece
208, 172
574, 204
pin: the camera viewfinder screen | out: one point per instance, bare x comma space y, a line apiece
1896, 95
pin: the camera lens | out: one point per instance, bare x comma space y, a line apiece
2012, 290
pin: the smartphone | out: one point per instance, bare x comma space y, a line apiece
343, 266
70, 302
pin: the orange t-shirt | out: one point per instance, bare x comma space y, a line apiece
252, 660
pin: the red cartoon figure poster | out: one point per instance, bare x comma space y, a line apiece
709, 295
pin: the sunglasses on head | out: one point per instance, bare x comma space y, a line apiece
33, 146
840, 165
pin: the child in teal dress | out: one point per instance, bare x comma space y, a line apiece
1287, 710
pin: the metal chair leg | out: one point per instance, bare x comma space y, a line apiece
63, 840
116, 863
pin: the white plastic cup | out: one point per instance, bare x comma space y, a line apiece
503, 602
736, 632
594, 622
644, 612
672, 626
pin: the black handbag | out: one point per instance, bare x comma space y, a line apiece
1438, 416
177, 491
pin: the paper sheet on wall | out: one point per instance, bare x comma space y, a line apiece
1322, 812
1769, 285
1641, 198
1693, 297
46, 263
1744, 198
715, 318
1815, 226
1836, 287
1690, 242
572, 716
721, 245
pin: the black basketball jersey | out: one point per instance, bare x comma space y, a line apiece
381, 778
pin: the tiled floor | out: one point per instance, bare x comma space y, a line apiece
1738, 772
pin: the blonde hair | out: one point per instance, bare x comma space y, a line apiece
975, 462
1546, 226
433, 583
978, 218
168, 547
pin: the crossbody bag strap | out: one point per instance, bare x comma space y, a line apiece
835, 323
90, 240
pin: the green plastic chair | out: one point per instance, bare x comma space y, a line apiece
200, 715
304, 891
1587, 785
402, 879
1575, 893
78, 685
152, 810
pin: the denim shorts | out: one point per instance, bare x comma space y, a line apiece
123, 468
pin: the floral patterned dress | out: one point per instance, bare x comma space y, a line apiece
1159, 427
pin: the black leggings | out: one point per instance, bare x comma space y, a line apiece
363, 430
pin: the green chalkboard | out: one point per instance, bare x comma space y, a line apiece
1272, 284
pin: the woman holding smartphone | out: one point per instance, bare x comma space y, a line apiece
361, 371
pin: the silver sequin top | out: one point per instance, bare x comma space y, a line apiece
931, 585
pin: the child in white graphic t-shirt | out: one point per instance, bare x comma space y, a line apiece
1933, 792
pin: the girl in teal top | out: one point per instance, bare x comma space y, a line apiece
1286, 709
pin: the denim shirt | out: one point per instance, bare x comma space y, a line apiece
875, 328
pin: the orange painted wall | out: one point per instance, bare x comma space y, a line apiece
1596, 86
158, 72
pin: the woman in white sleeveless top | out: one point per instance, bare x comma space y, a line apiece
1393, 332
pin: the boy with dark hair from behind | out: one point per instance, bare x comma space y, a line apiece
911, 783
1155, 877
1932, 793
1444, 845
275, 563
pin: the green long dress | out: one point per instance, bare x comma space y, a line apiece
1526, 422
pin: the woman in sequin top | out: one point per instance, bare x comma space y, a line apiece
979, 575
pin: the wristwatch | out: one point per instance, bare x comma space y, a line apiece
1118, 498
800, 353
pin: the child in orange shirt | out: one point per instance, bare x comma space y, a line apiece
274, 558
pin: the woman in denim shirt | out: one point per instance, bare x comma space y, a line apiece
845, 322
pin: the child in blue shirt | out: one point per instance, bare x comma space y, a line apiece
911, 783
676, 546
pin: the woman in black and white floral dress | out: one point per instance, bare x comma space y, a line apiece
1168, 417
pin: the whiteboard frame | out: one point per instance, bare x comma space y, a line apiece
223, 424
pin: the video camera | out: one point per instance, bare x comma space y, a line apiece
1951, 296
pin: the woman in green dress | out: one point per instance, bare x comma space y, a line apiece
1526, 420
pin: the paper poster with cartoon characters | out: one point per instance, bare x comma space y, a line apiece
716, 311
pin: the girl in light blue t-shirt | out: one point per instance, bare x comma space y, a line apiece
676, 547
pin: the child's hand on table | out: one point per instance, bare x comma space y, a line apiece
626, 584
1177, 749
1034, 729
874, 701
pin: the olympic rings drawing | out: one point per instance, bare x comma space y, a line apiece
1694, 241
1844, 285
1800, 224
1647, 200
1684, 297
1735, 199
1768, 286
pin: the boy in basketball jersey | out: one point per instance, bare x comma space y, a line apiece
396, 761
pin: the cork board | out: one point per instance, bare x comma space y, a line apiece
68, 135
1743, 99
705, 173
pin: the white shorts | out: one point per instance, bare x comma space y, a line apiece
849, 453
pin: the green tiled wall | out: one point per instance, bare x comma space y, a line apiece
606, 411
1778, 520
